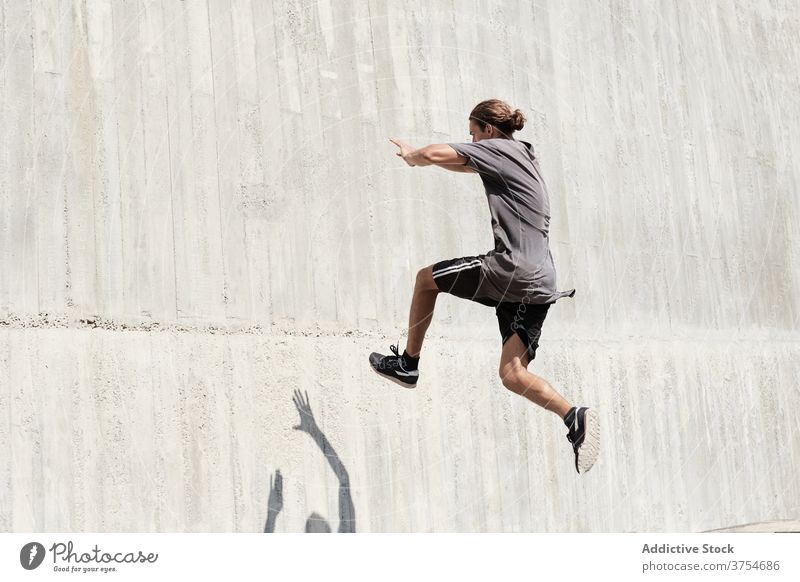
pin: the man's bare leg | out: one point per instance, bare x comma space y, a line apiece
421, 312
515, 376
584, 427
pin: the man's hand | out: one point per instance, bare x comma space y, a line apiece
405, 149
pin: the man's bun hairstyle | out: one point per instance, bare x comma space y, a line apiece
518, 120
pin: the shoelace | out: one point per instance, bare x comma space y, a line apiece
398, 358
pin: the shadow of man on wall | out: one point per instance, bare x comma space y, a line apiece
315, 522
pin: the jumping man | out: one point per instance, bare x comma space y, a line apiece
517, 277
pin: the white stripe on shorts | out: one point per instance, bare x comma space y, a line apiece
454, 268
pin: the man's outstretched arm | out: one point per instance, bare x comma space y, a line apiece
439, 154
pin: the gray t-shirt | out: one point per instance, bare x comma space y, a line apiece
520, 269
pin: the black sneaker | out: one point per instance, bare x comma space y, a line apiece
396, 368
584, 434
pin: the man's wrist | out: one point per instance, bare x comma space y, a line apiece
417, 158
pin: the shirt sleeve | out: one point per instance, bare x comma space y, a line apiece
481, 156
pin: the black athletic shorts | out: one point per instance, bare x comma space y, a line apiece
462, 277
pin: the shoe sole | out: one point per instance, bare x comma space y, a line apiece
395, 380
590, 449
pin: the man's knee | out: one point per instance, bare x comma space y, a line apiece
425, 280
513, 374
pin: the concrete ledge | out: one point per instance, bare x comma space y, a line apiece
785, 526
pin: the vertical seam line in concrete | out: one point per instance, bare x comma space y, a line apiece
171, 186
119, 161
32, 188
216, 154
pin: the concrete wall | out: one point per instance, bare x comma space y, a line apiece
201, 214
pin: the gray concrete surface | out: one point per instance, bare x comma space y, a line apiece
201, 214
